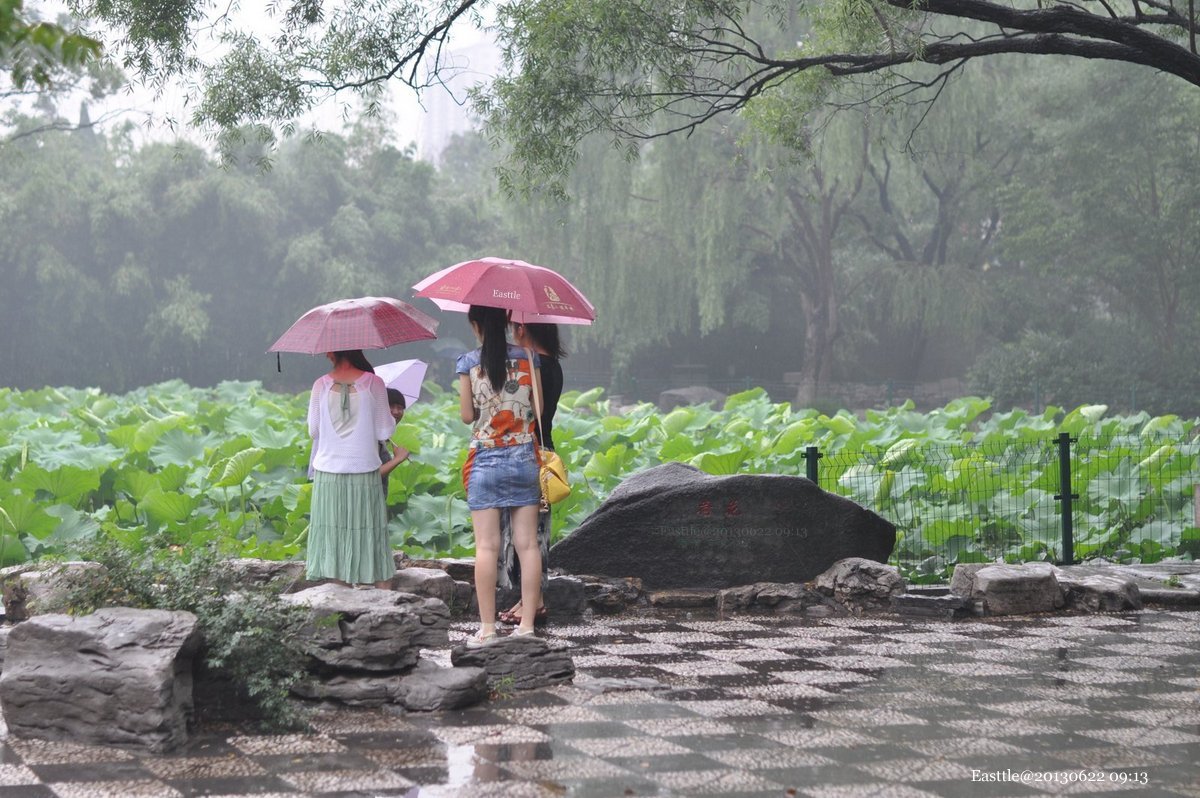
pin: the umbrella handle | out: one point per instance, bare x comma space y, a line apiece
278, 363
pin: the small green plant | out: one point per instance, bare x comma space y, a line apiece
503, 688
249, 634
1173, 581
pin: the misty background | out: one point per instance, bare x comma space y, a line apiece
1018, 239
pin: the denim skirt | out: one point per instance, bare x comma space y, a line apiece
501, 476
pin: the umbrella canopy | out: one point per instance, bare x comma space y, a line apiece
532, 293
405, 376
369, 322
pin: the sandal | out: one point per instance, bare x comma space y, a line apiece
479, 640
513, 617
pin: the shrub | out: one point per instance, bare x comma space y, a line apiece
249, 635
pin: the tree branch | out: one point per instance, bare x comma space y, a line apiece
414, 56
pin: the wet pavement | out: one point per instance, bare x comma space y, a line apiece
746, 705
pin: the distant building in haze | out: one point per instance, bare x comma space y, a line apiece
447, 110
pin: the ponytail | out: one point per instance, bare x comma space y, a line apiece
492, 323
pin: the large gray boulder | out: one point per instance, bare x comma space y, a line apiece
675, 526
370, 630
962, 581
117, 677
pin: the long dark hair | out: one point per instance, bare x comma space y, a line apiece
546, 337
354, 357
492, 323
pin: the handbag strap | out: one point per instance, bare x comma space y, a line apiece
537, 398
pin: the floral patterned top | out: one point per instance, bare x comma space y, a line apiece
505, 418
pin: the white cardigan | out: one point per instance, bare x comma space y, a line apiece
357, 451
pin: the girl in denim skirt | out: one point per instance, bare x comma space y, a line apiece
495, 390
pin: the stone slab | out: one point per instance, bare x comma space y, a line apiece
520, 663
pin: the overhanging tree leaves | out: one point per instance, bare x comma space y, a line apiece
640, 69
33, 52
634, 68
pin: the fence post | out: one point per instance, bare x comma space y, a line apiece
811, 456
1065, 497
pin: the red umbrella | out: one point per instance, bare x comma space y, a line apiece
369, 322
533, 293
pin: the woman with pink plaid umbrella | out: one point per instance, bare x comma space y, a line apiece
348, 417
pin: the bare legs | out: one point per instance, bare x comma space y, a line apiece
487, 552
508, 553
524, 521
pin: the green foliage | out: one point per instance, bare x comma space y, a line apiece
1099, 244
249, 635
961, 483
36, 52
157, 251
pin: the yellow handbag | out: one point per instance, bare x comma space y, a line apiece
552, 473
553, 476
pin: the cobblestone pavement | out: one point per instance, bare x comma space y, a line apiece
749, 705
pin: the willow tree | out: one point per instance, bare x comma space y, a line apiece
638, 70
633, 68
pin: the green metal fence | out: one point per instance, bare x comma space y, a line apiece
1123, 499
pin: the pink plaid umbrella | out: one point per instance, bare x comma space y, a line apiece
532, 293
368, 322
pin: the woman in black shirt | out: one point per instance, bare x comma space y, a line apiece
544, 340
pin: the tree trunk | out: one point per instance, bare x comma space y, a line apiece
818, 349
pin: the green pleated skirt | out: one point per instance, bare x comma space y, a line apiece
347, 534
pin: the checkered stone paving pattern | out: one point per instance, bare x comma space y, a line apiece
689, 704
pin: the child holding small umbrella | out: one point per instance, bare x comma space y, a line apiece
391, 455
